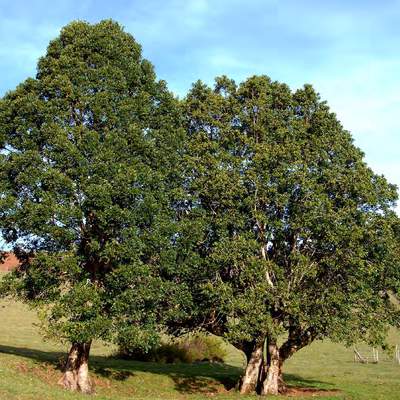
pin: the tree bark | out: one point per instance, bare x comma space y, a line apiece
273, 383
251, 377
76, 373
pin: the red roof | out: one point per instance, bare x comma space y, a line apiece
9, 262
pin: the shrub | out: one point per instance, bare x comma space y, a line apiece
188, 349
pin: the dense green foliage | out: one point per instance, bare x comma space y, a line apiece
299, 235
89, 158
245, 210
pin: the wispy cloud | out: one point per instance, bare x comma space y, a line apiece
347, 50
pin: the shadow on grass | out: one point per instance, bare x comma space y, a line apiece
300, 382
188, 378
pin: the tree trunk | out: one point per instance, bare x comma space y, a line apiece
76, 374
273, 383
253, 370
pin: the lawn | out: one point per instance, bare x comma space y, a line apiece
29, 369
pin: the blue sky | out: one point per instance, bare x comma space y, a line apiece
347, 49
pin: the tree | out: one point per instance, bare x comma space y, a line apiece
89, 172
299, 236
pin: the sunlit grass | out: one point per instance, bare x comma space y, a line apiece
29, 369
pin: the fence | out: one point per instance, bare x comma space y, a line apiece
371, 355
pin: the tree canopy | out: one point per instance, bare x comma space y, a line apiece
89, 171
245, 210
299, 235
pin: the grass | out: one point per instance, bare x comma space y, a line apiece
29, 369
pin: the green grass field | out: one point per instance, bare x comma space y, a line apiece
29, 369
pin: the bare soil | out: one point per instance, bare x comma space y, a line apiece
309, 392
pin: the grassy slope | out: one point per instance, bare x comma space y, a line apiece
28, 370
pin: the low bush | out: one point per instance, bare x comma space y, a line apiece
188, 349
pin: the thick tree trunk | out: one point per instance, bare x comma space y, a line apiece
76, 374
251, 377
273, 383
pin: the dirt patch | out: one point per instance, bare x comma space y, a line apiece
50, 374
44, 372
309, 392
9, 262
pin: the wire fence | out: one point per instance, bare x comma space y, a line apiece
372, 355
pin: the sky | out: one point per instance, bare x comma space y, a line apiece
348, 50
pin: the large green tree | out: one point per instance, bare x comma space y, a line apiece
88, 176
298, 234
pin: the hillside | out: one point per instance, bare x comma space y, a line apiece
29, 368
